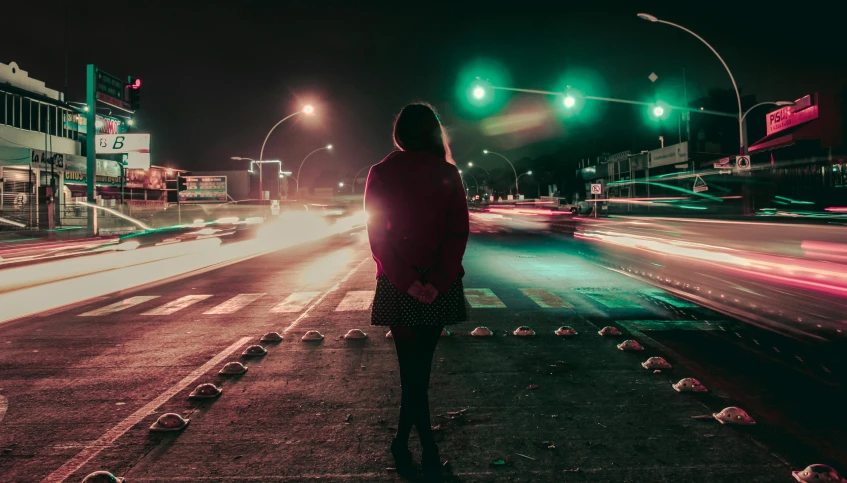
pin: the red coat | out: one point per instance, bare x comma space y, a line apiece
417, 218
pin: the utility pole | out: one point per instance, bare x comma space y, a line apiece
90, 145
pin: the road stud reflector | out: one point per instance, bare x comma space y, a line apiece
445, 333
609, 331
312, 335
102, 477
524, 331
482, 331
271, 337
355, 334
630, 345
389, 335
689, 384
565, 331
205, 391
734, 415
656, 363
818, 473
233, 369
254, 351
170, 422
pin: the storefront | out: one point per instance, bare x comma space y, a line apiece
802, 158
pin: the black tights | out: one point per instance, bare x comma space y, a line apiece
415, 348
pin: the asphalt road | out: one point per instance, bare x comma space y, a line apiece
82, 386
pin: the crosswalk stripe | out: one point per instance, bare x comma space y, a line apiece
545, 299
610, 300
234, 304
656, 325
483, 298
177, 305
294, 302
670, 299
118, 306
356, 300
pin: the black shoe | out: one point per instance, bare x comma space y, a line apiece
402, 458
431, 464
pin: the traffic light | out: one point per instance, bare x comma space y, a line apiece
133, 92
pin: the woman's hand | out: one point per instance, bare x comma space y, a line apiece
428, 295
416, 290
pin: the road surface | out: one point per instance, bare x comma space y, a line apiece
84, 384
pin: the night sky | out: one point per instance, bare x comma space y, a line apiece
217, 76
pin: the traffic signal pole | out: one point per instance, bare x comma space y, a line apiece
90, 145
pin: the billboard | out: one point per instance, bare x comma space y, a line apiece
202, 189
148, 179
803, 110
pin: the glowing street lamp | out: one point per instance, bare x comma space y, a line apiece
308, 109
485, 151
328, 147
341, 184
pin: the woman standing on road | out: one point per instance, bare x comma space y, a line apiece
418, 230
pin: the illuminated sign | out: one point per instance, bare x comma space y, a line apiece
75, 177
202, 189
123, 143
110, 90
789, 116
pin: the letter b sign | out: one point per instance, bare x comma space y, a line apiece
119, 143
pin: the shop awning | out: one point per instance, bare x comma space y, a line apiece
803, 132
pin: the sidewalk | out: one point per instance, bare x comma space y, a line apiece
326, 411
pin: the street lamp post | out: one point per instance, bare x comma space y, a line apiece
471, 165
521, 176
355, 177
742, 145
517, 191
307, 110
767, 103
328, 147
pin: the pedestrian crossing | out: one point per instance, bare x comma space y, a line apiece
611, 300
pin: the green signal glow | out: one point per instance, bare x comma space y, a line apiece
658, 111
479, 92
569, 101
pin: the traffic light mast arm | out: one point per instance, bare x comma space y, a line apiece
612, 99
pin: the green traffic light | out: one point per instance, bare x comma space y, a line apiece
569, 101
478, 92
658, 111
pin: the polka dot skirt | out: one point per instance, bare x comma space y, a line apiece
393, 307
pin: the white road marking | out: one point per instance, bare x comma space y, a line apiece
177, 305
295, 302
483, 298
234, 304
356, 300
4, 405
118, 306
322, 297
105, 441
545, 299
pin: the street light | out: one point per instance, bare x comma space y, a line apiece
307, 110
741, 143
521, 176
471, 165
341, 184
517, 190
328, 147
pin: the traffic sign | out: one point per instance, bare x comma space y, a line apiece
596, 189
700, 185
742, 163
110, 90
722, 163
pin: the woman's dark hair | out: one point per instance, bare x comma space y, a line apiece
417, 128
